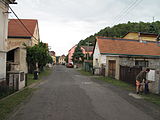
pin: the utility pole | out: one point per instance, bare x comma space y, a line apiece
88, 43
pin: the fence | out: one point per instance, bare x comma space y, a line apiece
5, 90
87, 66
13, 82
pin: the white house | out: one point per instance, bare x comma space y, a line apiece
99, 59
3, 35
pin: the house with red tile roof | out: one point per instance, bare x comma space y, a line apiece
87, 50
21, 33
25, 31
125, 58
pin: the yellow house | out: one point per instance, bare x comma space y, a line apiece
53, 55
61, 59
141, 36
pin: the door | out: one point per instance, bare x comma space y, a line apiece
112, 68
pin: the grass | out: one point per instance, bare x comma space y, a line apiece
118, 83
8, 105
85, 73
31, 79
154, 98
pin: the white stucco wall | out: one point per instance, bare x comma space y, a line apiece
3, 38
96, 55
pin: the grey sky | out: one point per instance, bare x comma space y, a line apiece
63, 23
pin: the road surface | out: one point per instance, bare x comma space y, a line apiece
67, 95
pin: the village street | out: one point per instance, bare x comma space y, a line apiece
67, 95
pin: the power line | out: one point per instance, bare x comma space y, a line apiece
5, 3
131, 7
124, 10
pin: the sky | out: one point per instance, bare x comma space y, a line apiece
63, 23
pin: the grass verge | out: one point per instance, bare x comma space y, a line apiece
8, 105
85, 73
154, 98
117, 83
42, 74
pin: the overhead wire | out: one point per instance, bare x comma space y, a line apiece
128, 9
24, 26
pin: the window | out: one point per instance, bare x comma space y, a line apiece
141, 63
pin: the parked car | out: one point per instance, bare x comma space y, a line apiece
69, 65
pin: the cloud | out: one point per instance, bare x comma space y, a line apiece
63, 23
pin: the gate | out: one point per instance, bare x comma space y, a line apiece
128, 74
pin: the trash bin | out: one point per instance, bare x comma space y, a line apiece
35, 74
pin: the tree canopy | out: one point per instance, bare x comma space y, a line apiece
38, 54
78, 56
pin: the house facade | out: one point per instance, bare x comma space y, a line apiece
61, 59
125, 58
141, 36
53, 55
70, 54
86, 50
18, 40
3, 35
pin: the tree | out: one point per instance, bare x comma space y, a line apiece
78, 56
38, 55
121, 29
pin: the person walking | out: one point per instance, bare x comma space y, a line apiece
140, 78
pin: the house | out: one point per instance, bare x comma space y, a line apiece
70, 54
87, 50
53, 55
61, 59
125, 58
3, 36
18, 38
141, 36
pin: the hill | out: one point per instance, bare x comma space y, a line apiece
121, 29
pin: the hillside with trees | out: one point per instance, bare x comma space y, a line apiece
121, 29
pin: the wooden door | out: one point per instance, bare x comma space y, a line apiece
112, 68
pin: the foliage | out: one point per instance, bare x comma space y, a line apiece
78, 56
121, 29
38, 54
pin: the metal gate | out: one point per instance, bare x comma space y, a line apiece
128, 74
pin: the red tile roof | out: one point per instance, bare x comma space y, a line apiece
127, 47
52, 53
16, 29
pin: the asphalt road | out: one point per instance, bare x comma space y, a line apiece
67, 95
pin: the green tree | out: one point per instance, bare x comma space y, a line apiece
38, 55
78, 56
121, 29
